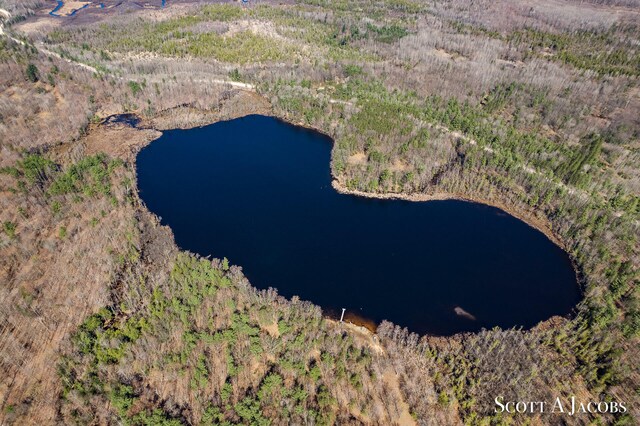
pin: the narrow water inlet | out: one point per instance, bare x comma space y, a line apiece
258, 191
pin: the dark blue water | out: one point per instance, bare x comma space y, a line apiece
126, 119
74, 11
59, 5
258, 191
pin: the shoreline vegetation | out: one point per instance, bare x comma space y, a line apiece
532, 219
528, 108
535, 219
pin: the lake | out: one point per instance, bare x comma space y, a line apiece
258, 191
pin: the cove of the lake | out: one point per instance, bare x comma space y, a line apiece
258, 191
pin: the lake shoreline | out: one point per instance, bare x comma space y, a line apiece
535, 222
542, 224
150, 129
155, 126
161, 123
307, 163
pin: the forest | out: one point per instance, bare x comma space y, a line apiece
532, 107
